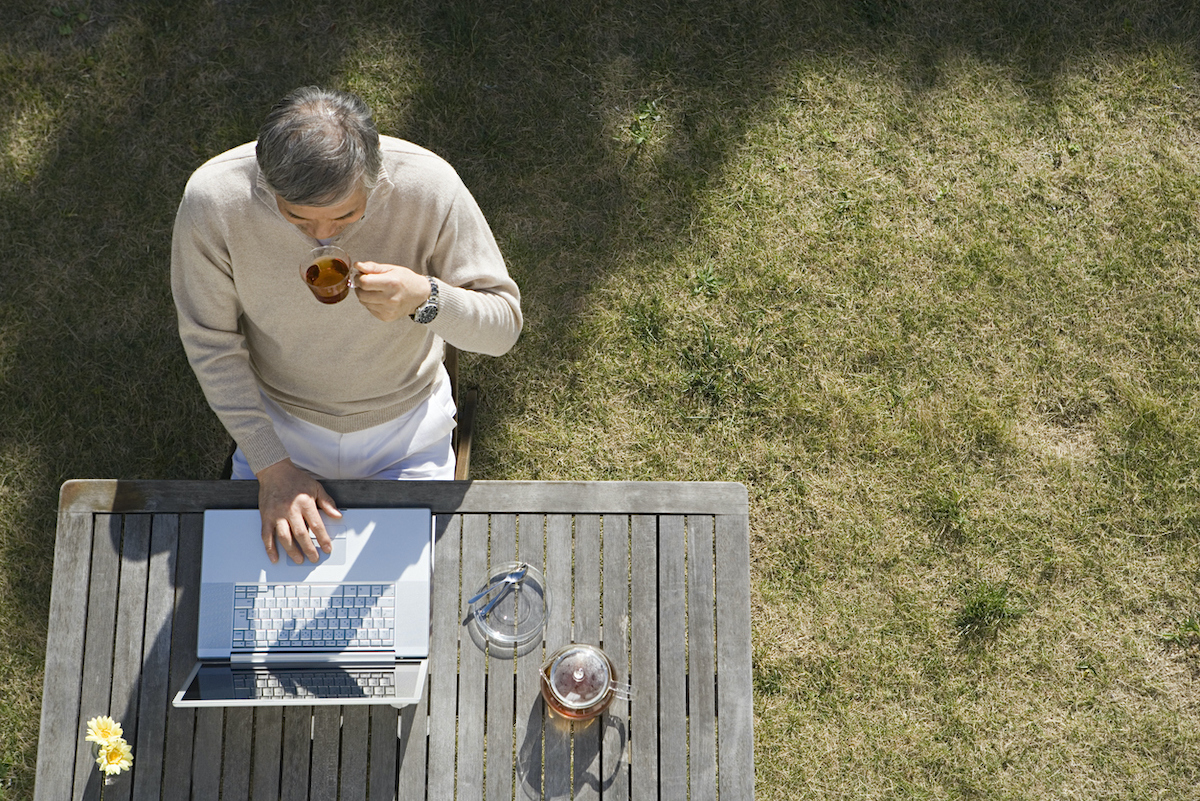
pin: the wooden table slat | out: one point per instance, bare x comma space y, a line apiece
702, 731
643, 722
326, 753
98, 646
206, 765
672, 660
586, 738
443, 650
177, 755
268, 752
239, 747
614, 764
64, 657
131, 628
356, 727
528, 730
443, 497
735, 713
556, 751
405, 750
384, 723
472, 662
156, 656
296, 756
501, 679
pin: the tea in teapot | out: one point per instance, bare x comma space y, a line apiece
579, 682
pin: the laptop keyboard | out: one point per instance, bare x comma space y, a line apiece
323, 683
306, 617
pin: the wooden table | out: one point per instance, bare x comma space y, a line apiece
657, 574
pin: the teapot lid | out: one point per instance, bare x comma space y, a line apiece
579, 677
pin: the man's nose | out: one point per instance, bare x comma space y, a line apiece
323, 230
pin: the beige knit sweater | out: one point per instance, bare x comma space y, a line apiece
248, 322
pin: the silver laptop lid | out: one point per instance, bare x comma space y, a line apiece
389, 551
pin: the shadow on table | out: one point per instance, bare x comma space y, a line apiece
549, 776
494, 649
129, 628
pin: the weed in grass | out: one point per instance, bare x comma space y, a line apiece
68, 18
945, 511
988, 431
711, 370
641, 128
1184, 634
647, 321
707, 282
986, 607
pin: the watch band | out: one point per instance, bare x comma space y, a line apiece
428, 310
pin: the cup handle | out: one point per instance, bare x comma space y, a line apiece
352, 281
623, 692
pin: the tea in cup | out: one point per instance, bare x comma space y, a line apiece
327, 272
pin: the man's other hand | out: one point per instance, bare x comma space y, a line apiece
290, 502
389, 291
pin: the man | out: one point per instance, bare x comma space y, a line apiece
350, 390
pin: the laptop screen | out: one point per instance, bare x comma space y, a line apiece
301, 685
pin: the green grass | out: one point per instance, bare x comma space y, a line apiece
925, 279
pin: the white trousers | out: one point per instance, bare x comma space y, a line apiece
416, 445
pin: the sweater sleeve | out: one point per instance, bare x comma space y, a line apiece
208, 311
479, 304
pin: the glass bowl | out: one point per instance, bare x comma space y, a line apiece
515, 614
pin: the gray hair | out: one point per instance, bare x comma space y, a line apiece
317, 146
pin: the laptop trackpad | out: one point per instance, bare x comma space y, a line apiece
337, 557
409, 678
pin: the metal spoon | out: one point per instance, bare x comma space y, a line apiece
515, 577
483, 613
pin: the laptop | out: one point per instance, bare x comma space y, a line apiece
351, 628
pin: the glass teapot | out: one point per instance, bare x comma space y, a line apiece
579, 682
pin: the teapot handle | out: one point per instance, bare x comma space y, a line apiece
621, 691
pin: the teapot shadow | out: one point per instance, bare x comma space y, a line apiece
600, 746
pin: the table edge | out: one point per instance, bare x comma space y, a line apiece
442, 497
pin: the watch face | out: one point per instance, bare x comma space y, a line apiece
426, 313
429, 309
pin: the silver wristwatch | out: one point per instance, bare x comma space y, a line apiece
429, 309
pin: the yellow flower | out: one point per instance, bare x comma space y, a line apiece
115, 756
103, 730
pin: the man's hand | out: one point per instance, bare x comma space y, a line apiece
290, 502
390, 291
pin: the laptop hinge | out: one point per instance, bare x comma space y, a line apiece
310, 658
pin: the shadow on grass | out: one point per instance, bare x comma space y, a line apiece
589, 132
